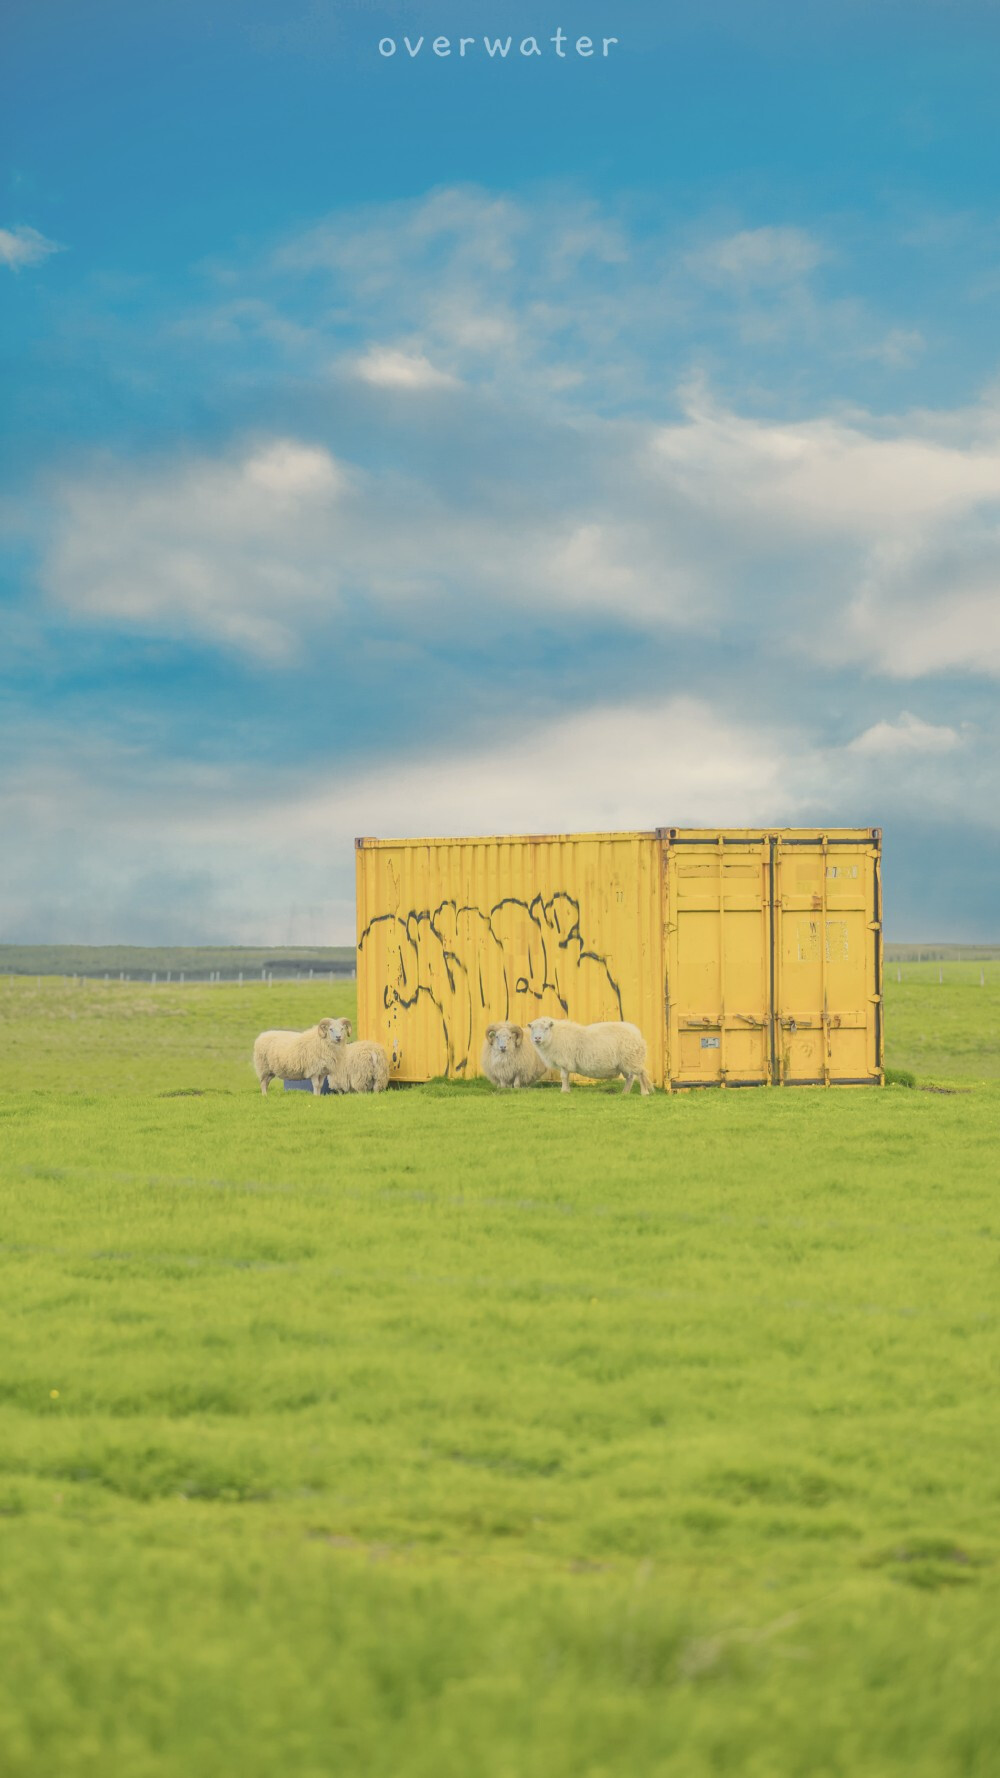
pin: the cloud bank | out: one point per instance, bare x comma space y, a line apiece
489, 457
116, 846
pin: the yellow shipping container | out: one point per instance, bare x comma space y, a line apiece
747, 957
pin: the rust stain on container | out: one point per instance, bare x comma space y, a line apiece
715, 943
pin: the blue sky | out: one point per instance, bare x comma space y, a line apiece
424, 444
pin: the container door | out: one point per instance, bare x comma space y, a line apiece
827, 993
717, 944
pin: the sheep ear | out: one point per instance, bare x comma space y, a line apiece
348, 1027
491, 1032
324, 1026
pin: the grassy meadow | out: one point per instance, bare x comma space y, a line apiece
455, 1435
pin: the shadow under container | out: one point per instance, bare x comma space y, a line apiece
747, 957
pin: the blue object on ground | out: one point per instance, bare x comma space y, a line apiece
304, 1086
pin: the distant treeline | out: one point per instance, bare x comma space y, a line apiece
192, 961
202, 962
941, 953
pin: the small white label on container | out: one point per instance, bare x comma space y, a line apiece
710, 1043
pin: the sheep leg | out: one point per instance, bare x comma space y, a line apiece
629, 1084
645, 1084
565, 1080
265, 1081
317, 1083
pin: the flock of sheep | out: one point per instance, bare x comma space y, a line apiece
513, 1056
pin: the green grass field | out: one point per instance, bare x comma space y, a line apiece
454, 1435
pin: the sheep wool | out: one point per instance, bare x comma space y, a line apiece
295, 1055
356, 1067
509, 1058
598, 1051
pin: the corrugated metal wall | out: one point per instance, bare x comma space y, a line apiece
706, 941
453, 934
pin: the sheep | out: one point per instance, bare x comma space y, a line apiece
599, 1051
508, 1058
356, 1067
296, 1055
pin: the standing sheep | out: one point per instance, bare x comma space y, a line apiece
296, 1055
509, 1059
600, 1051
356, 1067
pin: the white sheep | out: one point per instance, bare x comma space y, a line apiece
296, 1055
598, 1051
509, 1058
356, 1067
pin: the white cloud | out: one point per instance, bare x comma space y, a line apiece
556, 294
607, 767
487, 288
929, 601
234, 549
840, 539
292, 472
679, 761
389, 368
908, 734
24, 246
887, 526
255, 549
827, 477
758, 256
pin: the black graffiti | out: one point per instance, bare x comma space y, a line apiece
438, 957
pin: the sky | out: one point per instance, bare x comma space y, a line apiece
403, 442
